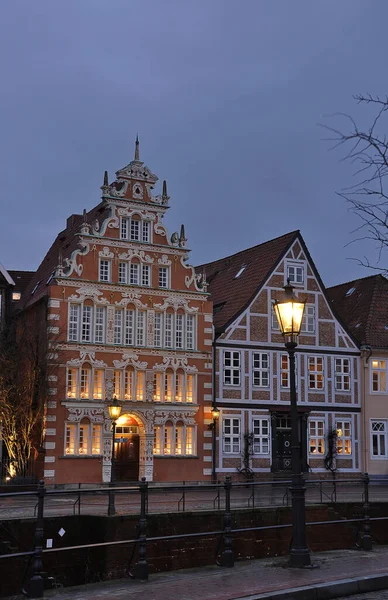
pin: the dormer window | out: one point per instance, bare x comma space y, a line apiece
350, 291
240, 272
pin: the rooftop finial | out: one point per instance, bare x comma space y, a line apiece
106, 181
182, 237
137, 152
164, 193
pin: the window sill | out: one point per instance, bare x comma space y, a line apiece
80, 456
179, 456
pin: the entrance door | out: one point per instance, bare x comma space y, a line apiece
127, 458
281, 444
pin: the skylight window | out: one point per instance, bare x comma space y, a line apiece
350, 291
35, 288
240, 272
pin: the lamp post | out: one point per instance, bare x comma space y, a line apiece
114, 412
289, 314
213, 426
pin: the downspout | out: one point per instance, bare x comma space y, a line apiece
366, 352
214, 431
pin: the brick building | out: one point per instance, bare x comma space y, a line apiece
363, 307
126, 316
251, 365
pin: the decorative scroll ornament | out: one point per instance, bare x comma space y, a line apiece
136, 252
131, 298
198, 280
144, 214
70, 264
175, 363
130, 359
86, 356
164, 260
87, 291
105, 253
162, 416
176, 302
75, 414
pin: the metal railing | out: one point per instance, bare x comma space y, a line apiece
229, 495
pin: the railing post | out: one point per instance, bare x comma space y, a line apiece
227, 557
36, 585
141, 568
366, 539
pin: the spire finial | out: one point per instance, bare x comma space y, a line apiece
137, 151
106, 182
182, 237
164, 192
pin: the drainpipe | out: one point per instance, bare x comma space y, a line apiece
214, 424
366, 352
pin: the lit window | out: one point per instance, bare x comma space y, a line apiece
16, 296
157, 442
98, 384
140, 386
178, 439
189, 440
71, 383
179, 379
379, 375
316, 437
128, 394
117, 383
70, 439
83, 444
85, 382
344, 442
96, 439
157, 387
168, 386
189, 388
167, 445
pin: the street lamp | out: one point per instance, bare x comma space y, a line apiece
289, 314
213, 426
114, 412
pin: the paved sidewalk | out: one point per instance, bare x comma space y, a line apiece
338, 573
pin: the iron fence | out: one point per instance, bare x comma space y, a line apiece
224, 496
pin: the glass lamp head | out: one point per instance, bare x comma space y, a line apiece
114, 409
215, 413
289, 314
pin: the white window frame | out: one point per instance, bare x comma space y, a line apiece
342, 374
381, 373
73, 327
316, 436
105, 274
144, 230
308, 321
231, 435
315, 361
344, 425
123, 273
170, 376
379, 434
297, 268
76, 427
234, 358
261, 374
169, 432
286, 371
164, 277
260, 436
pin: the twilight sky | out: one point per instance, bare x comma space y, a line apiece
226, 96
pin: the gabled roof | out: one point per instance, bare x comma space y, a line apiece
21, 279
6, 274
362, 305
230, 294
65, 243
